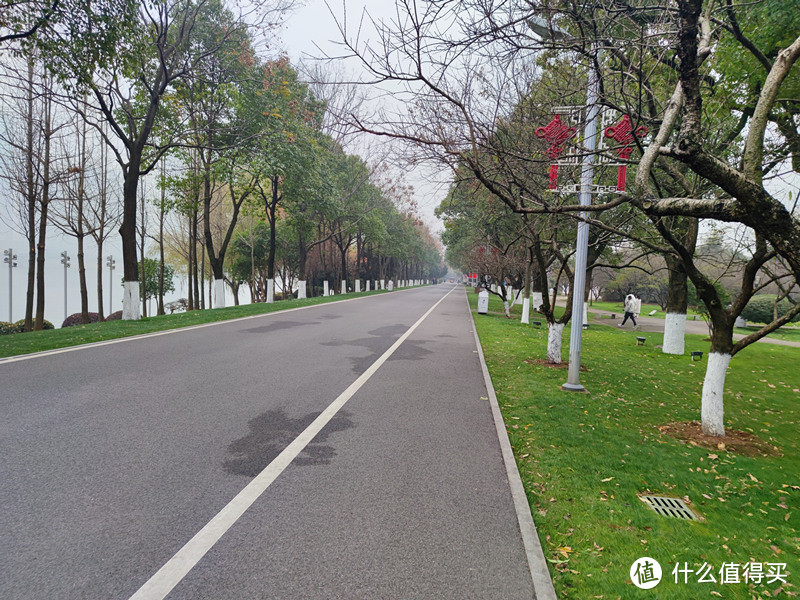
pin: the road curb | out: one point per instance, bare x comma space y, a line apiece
542, 583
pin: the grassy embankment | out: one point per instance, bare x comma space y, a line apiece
37, 341
584, 458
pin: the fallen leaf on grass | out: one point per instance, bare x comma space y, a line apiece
750, 475
607, 479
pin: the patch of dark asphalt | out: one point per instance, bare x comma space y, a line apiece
411, 350
376, 344
271, 432
279, 325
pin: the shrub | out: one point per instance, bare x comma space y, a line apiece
7, 328
115, 316
45, 325
75, 319
761, 309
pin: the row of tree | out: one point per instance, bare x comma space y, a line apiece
247, 183
703, 98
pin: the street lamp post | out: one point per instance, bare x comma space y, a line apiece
65, 261
110, 262
11, 259
541, 28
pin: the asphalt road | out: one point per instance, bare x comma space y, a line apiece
114, 457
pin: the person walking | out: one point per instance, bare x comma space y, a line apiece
630, 309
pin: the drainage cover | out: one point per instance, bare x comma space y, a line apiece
669, 507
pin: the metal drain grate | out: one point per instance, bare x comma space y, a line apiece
669, 507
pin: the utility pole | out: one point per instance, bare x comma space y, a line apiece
11, 259
110, 262
65, 262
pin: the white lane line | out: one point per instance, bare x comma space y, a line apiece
130, 338
176, 568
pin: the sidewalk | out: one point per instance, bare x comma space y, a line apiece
656, 325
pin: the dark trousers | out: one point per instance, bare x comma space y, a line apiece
629, 316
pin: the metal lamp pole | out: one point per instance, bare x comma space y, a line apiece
582, 244
541, 28
65, 262
11, 259
110, 262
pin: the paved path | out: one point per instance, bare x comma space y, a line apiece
656, 325
115, 456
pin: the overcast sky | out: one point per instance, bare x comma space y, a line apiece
307, 30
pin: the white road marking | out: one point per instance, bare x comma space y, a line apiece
142, 336
176, 568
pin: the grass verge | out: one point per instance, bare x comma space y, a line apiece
38, 341
585, 458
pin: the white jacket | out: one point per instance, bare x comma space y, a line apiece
630, 305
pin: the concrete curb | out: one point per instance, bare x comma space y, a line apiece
542, 583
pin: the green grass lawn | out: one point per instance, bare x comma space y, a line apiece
37, 341
584, 458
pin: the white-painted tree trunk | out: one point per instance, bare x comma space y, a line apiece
554, 334
674, 333
131, 307
219, 293
526, 311
358, 286
301, 289
711, 406
585, 313
325, 291
383, 284
367, 288
270, 291
506, 308
511, 296
536, 301
344, 286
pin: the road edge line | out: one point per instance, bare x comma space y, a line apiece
183, 561
540, 575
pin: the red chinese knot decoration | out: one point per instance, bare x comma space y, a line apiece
555, 133
624, 134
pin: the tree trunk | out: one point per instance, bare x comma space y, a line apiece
711, 405
80, 231
193, 250
526, 304
161, 214
677, 304
30, 185
45, 203
100, 308
554, 335
131, 309
143, 274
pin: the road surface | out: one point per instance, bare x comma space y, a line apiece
115, 457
